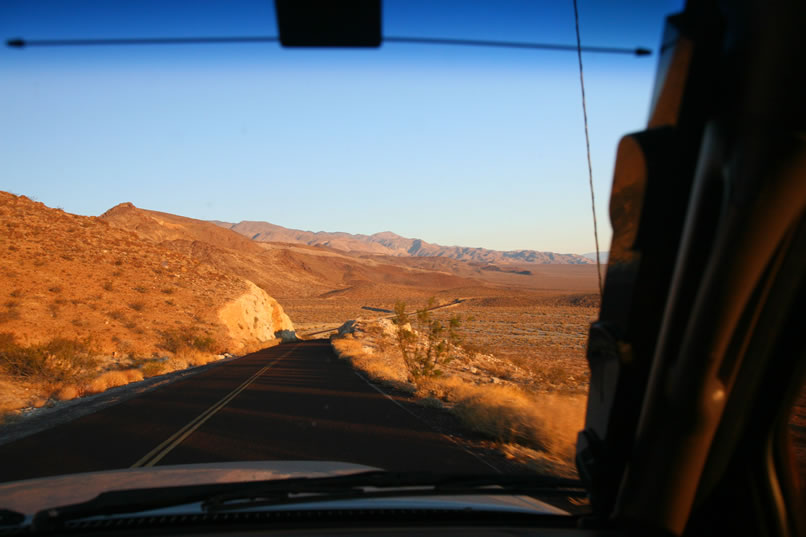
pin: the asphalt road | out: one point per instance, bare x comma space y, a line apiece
290, 402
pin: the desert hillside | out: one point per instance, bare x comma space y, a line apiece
76, 277
285, 269
388, 243
320, 286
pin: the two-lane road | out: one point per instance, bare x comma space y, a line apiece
290, 402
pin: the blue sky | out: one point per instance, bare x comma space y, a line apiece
455, 145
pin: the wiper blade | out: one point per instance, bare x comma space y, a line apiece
380, 484
222, 496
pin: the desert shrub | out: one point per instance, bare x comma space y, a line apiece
133, 327
557, 374
11, 314
197, 358
140, 289
204, 343
116, 315
58, 360
587, 300
110, 379
113, 379
21, 361
184, 339
425, 355
137, 306
152, 368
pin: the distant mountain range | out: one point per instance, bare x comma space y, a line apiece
602, 256
392, 244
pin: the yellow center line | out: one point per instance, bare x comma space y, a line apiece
155, 455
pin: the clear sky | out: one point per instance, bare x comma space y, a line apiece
454, 145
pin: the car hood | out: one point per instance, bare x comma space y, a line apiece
33, 495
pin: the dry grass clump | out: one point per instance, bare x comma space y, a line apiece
378, 367
152, 368
539, 428
541, 462
68, 392
189, 346
56, 361
186, 340
11, 393
113, 379
64, 369
546, 422
189, 358
61, 369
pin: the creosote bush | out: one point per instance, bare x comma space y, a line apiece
424, 355
184, 339
58, 360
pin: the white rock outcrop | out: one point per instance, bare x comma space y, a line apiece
386, 326
256, 317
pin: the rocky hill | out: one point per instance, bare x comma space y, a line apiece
388, 243
283, 269
79, 277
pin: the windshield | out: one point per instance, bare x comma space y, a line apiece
240, 252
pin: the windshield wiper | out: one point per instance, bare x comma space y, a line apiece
379, 484
372, 484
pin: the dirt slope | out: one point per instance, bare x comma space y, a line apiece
78, 277
283, 269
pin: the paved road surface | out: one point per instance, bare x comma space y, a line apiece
290, 402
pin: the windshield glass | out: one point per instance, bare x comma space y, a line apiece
239, 252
